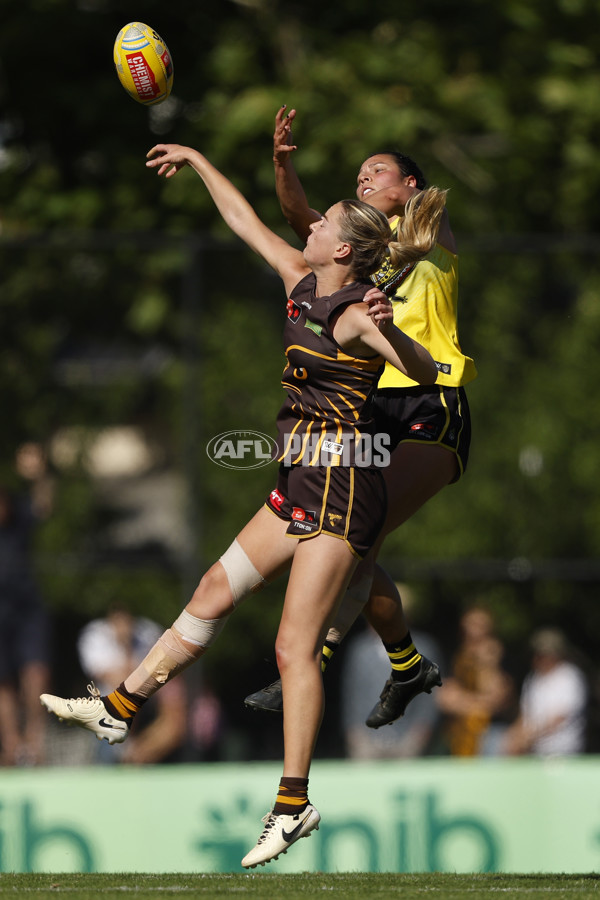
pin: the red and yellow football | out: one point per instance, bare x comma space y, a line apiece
143, 63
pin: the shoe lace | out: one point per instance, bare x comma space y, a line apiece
269, 820
386, 689
93, 690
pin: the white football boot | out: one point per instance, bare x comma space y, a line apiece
279, 833
87, 712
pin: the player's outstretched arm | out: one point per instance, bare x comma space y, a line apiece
236, 211
290, 192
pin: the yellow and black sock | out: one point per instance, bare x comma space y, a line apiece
329, 648
123, 705
404, 658
292, 797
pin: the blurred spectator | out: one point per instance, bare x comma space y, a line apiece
366, 666
31, 465
552, 710
24, 622
478, 697
208, 730
109, 649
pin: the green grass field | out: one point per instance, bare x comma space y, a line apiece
353, 886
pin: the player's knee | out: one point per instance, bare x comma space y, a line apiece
213, 595
214, 579
242, 575
282, 654
292, 654
288, 654
385, 614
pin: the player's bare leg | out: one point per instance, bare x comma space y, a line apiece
224, 585
416, 473
319, 576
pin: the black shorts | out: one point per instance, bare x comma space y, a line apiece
432, 414
343, 501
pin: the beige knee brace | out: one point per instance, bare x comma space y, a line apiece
200, 632
243, 577
172, 654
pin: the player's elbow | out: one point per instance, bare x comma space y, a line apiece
426, 371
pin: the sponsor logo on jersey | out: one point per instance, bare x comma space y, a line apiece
444, 368
313, 327
332, 447
293, 311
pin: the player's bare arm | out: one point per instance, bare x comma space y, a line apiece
390, 200
288, 262
290, 192
369, 326
445, 236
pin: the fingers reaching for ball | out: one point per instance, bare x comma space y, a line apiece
167, 158
282, 138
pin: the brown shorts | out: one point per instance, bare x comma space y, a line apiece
346, 502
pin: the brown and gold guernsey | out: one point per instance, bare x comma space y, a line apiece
325, 419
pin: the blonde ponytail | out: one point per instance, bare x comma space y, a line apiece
418, 229
375, 253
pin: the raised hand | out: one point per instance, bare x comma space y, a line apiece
282, 138
162, 156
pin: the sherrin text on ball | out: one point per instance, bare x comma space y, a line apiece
143, 63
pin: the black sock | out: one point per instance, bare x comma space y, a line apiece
329, 648
404, 658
